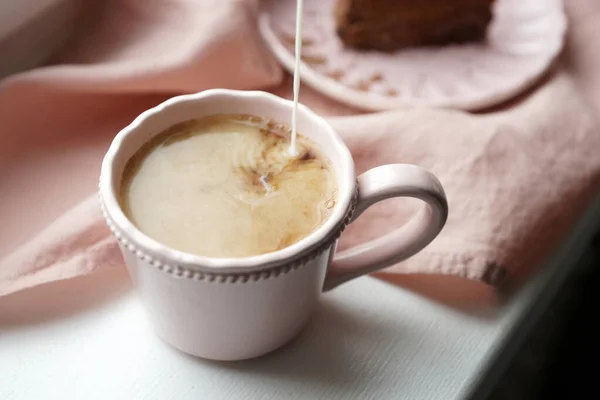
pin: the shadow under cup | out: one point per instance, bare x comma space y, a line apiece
227, 308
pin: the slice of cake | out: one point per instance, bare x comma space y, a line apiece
388, 25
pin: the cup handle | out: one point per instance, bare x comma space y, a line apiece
381, 183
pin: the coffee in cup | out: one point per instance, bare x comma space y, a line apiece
228, 186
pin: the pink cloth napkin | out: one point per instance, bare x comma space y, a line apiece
516, 176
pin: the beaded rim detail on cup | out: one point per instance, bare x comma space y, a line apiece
182, 272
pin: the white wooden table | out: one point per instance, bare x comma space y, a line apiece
89, 339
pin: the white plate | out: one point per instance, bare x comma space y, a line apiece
524, 38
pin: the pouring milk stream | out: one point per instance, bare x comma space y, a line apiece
298, 48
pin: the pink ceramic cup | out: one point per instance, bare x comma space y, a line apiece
237, 308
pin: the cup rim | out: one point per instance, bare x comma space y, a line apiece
152, 250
